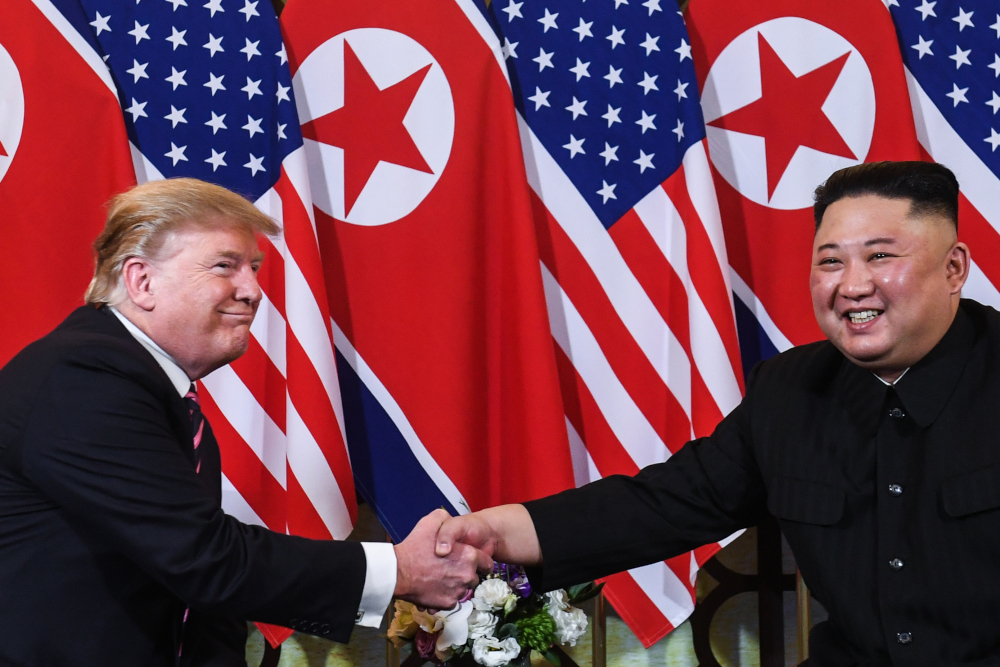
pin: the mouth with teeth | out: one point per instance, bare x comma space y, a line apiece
862, 316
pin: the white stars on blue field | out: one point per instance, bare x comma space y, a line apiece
604, 76
189, 70
953, 50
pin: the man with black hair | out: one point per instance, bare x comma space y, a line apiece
877, 450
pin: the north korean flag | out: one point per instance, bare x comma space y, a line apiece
422, 210
791, 92
63, 154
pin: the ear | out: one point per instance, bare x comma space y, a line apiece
957, 267
137, 276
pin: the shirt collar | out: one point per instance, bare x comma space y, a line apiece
923, 389
176, 374
893, 383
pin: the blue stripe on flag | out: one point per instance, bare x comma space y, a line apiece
386, 473
755, 346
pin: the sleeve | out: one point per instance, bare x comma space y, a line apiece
709, 489
99, 444
380, 583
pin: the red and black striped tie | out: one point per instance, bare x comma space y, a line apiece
197, 423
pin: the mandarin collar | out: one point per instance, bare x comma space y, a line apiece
923, 390
929, 384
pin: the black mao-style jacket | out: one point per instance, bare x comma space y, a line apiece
889, 498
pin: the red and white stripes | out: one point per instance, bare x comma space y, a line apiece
645, 336
277, 411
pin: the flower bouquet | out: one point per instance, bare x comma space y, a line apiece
497, 624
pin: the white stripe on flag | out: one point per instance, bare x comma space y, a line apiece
482, 26
664, 223
572, 334
269, 329
701, 190
311, 470
664, 590
298, 175
979, 185
391, 407
249, 419
584, 468
78, 43
306, 321
979, 287
236, 505
626, 294
269, 204
753, 304
145, 171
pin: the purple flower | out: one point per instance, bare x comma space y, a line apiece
425, 642
520, 585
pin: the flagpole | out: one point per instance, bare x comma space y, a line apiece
804, 620
391, 652
600, 632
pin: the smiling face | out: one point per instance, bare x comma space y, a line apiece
885, 285
204, 296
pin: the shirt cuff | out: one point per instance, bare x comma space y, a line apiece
380, 583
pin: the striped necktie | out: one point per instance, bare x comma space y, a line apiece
197, 423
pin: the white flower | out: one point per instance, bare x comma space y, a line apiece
570, 624
491, 595
456, 630
557, 600
481, 624
453, 625
492, 652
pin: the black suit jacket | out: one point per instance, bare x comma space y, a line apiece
889, 498
107, 533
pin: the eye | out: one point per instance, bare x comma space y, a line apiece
829, 261
255, 267
880, 255
224, 265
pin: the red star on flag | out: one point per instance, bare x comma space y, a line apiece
789, 112
369, 127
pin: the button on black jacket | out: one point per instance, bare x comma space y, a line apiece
107, 533
889, 498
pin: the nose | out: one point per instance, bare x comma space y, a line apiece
247, 287
856, 281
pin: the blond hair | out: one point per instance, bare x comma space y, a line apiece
140, 220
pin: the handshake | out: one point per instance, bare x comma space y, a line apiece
439, 561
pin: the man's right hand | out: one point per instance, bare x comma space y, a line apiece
429, 580
505, 533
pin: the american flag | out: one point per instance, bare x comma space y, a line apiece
206, 92
633, 257
950, 53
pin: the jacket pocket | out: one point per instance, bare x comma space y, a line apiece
972, 492
806, 502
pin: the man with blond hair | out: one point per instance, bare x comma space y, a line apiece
114, 549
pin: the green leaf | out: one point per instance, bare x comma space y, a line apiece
591, 591
552, 657
507, 630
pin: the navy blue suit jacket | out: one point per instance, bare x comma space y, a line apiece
107, 533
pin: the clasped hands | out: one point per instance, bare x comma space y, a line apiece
439, 561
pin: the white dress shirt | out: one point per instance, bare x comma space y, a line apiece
380, 567
893, 383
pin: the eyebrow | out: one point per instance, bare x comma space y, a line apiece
868, 243
232, 254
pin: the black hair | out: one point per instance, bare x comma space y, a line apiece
930, 187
